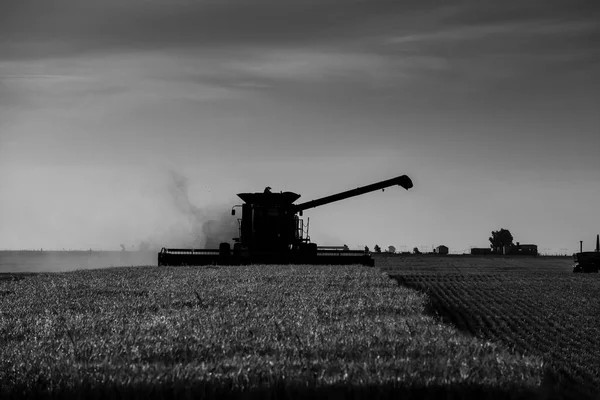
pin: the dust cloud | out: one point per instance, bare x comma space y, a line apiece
64, 261
111, 218
193, 226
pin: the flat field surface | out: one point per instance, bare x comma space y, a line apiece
536, 306
467, 264
268, 331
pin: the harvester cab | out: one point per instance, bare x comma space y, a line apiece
272, 232
269, 223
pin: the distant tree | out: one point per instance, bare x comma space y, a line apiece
346, 247
391, 249
501, 238
416, 250
367, 249
377, 249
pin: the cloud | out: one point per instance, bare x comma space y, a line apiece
34, 30
493, 12
235, 46
307, 65
529, 33
534, 48
110, 82
66, 27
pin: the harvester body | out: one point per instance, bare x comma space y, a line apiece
272, 232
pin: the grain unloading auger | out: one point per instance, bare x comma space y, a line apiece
272, 232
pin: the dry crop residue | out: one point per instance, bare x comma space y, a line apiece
553, 315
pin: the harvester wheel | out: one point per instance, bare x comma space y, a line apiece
224, 250
237, 249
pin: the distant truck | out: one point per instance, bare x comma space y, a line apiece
587, 261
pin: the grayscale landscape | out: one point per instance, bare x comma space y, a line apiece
299, 199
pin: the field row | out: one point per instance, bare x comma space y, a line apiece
555, 317
473, 265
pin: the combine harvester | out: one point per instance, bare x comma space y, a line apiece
588, 261
271, 232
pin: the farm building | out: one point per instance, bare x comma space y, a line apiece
527, 249
481, 251
441, 249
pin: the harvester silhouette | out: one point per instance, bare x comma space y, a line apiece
272, 232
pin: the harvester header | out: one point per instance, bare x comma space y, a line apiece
271, 232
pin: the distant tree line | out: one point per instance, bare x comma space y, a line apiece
501, 241
377, 249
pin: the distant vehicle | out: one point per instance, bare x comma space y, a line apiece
588, 261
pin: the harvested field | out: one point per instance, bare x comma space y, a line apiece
535, 305
280, 331
466, 264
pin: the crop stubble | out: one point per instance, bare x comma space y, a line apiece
534, 307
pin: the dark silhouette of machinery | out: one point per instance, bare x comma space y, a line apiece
272, 232
588, 261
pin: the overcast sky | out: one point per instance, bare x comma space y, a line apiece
490, 107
